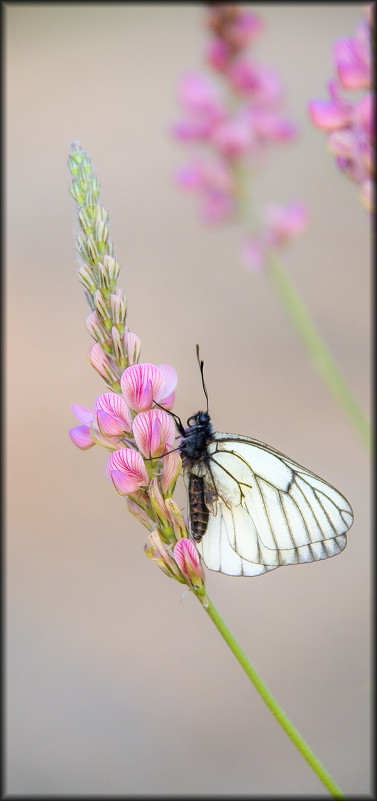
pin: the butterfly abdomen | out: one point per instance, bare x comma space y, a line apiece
198, 510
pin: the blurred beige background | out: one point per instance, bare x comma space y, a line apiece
116, 680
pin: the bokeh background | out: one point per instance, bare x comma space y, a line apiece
116, 680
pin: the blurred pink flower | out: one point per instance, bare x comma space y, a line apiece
229, 132
157, 550
281, 225
233, 29
350, 125
284, 223
353, 58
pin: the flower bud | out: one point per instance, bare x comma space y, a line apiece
187, 558
85, 221
158, 503
118, 309
92, 249
101, 232
156, 549
140, 514
176, 518
112, 269
119, 354
171, 468
132, 345
100, 305
95, 328
87, 278
102, 363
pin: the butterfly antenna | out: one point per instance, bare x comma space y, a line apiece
201, 367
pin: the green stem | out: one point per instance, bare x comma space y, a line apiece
318, 351
269, 700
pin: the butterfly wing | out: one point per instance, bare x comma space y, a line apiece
270, 511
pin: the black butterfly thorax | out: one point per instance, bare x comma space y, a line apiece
196, 438
194, 450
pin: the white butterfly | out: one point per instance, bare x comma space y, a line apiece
252, 509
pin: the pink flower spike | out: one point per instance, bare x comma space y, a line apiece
127, 471
187, 558
141, 384
153, 431
113, 415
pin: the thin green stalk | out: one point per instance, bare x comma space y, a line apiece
269, 700
318, 351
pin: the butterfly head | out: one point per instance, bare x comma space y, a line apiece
199, 420
197, 435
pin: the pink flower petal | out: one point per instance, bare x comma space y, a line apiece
352, 57
124, 483
80, 436
113, 415
232, 137
83, 414
217, 54
200, 96
171, 468
153, 431
285, 223
129, 463
170, 379
101, 362
328, 115
367, 195
216, 206
141, 384
187, 558
189, 177
132, 345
